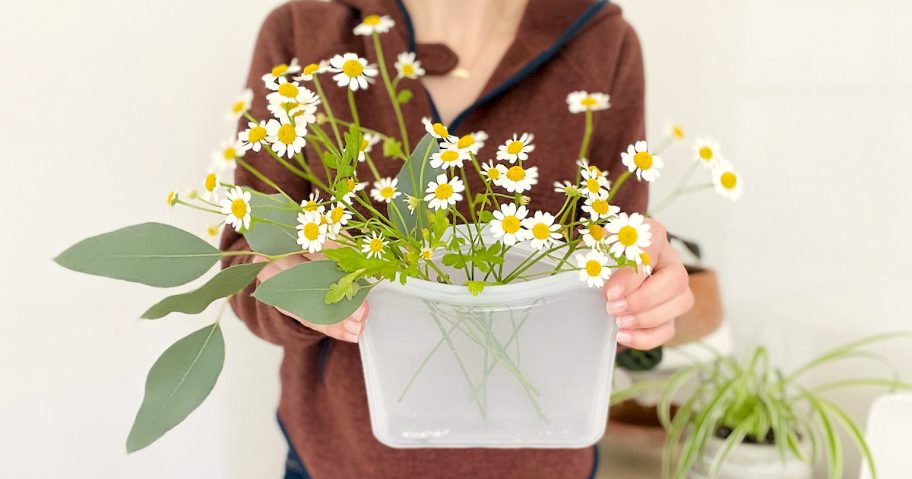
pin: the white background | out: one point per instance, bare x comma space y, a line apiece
107, 105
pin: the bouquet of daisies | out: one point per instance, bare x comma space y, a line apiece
425, 223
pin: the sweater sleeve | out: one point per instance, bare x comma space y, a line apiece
627, 92
273, 47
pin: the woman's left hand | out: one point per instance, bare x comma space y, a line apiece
645, 307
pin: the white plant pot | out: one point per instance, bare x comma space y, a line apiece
752, 461
520, 365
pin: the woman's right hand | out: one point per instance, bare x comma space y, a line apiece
349, 329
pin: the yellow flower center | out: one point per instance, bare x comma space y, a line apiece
644, 257
589, 102
311, 231
493, 173
372, 20
287, 134
210, 182
408, 70
279, 69
350, 185
239, 208
238, 107
229, 153
376, 245
311, 69
426, 254
352, 68
728, 180
311, 206
256, 134
172, 196
212, 230
510, 224
288, 90
440, 130
596, 232
643, 160
541, 231
515, 147
449, 156
677, 132
364, 144
443, 191
600, 206
337, 214
516, 173
593, 185
465, 141
387, 192
594, 171
627, 235
593, 268
706, 153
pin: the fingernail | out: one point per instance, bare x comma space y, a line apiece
624, 338
625, 322
615, 292
616, 307
352, 326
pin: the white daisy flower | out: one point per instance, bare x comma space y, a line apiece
312, 231
352, 187
373, 245
442, 194
236, 207
518, 179
599, 209
310, 71
241, 105
374, 24
594, 268
494, 173
285, 91
286, 139
593, 236
303, 109
517, 148
426, 253
629, 236
279, 71
507, 223
638, 159
580, 101
541, 230
352, 71
253, 136
675, 131
471, 142
646, 263
368, 140
448, 157
594, 182
707, 152
726, 181
335, 219
225, 159
566, 188
384, 190
211, 185
438, 130
313, 204
408, 67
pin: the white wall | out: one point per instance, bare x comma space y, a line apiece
108, 105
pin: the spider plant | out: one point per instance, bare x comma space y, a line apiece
749, 401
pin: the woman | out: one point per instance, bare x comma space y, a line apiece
503, 67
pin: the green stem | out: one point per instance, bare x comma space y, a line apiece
329, 112
390, 90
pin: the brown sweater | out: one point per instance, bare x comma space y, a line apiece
561, 46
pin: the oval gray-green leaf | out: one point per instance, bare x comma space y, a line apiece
273, 230
228, 281
179, 381
155, 254
413, 179
301, 290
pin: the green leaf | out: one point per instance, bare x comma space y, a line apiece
404, 96
475, 287
413, 180
392, 148
179, 381
228, 281
302, 288
454, 260
149, 253
273, 230
346, 287
347, 258
486, 216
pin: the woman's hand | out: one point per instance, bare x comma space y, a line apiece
349, 329
645, 307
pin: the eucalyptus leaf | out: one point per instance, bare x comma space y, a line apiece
302, 289
179, 381
149, 253
228, 281
413, 179
273, 231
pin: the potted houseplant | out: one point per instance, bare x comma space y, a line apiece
746, 419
